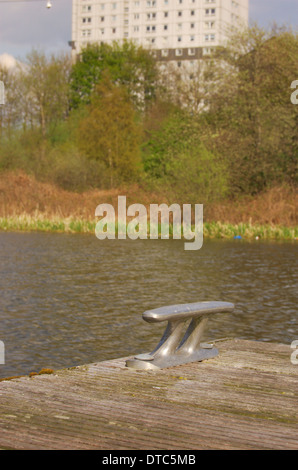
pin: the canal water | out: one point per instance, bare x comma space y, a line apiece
73, 299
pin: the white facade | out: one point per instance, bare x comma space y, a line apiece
173, 27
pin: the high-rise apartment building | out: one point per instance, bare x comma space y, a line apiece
175, 29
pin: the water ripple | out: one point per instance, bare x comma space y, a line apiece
72, 299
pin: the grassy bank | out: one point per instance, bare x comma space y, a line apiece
28, 223
27, 204
211, 229
248, 231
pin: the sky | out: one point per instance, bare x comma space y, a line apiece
24, 26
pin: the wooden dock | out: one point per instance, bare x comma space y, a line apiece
246, 398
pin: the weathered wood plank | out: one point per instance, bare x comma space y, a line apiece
246, 398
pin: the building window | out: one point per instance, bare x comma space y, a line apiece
207, 50
165, 27
86, 33
192, 13
150, 28
166, 14
192, 38
114, 6
178, 52
179, 13
191, 51
164, 52
102, 18
192, 25
113, 30
86, 20
209, 37
179, 39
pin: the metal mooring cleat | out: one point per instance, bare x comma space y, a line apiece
175, 348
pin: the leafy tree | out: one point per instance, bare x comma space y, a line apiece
127, 64
189, 85
251, 116
46, 84
175, 156
109, 132
11, 114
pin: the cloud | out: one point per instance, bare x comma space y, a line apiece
8, 61
27, 25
